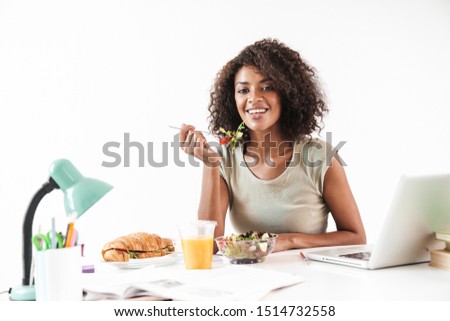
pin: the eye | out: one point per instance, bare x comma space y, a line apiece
242, 91
267, 88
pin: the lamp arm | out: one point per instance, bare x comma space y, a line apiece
28, 227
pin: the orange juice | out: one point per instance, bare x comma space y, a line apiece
197, 252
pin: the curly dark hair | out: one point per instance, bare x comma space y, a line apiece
302, 101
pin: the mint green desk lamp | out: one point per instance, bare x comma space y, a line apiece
80, 193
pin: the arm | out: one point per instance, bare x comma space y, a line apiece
214, 197
339, 199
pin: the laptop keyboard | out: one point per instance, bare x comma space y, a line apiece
359, 256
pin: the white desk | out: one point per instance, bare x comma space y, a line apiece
395, 290
325, 281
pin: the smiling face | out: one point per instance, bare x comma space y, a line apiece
257, 101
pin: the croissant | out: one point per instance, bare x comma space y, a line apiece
136, 246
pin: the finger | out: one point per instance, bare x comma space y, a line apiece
191, 136
198, 143
204, 143
188, 141
201, 139
184, 129
193, 141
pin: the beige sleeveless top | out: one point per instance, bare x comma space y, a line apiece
290, 203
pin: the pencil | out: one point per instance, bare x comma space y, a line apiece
69, 234
304, 257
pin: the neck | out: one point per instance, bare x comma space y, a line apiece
269, 145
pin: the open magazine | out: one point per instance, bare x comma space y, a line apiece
230, 282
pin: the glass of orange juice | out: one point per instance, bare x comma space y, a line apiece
197, 243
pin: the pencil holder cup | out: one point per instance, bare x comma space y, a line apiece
58, 274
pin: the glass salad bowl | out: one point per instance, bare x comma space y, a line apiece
246, 248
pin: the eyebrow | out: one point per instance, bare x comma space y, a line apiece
247, 83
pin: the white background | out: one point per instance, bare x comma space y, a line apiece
75, 75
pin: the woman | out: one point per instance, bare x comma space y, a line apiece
279, 179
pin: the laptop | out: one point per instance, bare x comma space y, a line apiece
420, 206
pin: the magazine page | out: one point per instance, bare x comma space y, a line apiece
231, 282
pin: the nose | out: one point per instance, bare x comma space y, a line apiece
254, 96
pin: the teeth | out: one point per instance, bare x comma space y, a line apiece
255, 111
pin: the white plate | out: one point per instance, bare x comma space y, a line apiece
152, 261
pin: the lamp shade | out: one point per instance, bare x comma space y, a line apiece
80, 192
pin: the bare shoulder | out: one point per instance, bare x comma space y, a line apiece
335, 180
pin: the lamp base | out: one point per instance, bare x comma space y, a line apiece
23, 293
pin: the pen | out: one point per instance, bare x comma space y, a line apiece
74, 240
53, 234
304, 257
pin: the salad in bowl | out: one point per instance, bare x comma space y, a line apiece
247, 248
